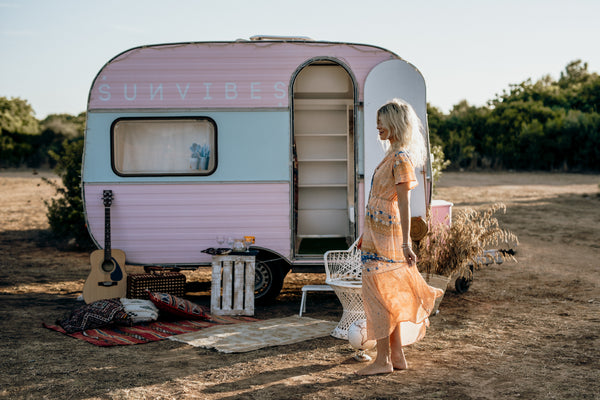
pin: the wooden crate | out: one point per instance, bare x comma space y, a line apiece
232, 289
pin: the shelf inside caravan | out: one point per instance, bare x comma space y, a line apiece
322, 159
304, 102
322, 185
321, 134
324, 141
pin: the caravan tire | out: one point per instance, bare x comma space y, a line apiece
268, 281
463, 283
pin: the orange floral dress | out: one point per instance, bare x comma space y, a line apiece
394, 294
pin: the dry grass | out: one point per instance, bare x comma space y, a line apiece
451, 250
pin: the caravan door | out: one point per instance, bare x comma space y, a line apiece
388, 80
323, 137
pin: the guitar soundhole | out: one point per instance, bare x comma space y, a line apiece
107, 266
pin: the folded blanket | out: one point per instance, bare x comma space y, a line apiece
140, 310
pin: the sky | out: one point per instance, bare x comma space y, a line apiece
51, 51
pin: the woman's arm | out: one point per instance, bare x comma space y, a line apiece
403, 192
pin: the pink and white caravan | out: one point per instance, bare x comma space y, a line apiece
269, 137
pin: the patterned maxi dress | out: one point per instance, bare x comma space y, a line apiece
393, 293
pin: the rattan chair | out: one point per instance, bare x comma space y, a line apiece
343, 274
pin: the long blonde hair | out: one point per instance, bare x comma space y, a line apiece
405, 128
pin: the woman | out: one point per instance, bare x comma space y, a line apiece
396, 299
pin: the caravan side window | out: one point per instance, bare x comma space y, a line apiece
164, 146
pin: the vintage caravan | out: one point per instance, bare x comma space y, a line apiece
269, 137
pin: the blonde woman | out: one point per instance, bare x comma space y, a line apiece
397, 300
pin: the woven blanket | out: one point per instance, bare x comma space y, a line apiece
116, 335
256, 335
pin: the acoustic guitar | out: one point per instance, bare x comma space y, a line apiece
107, 278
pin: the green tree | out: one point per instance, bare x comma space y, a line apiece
65, 212
55, 128
19, 129
17, 116
548, 124
575, 73
459, 132
435, 122
438, 164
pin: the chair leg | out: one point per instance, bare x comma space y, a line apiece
352, 309
302, 303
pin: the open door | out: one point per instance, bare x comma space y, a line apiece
388, 80
323, 137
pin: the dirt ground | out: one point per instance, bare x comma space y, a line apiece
523, 330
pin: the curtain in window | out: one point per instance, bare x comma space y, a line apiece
164, 146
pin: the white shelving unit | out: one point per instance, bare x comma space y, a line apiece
325, 153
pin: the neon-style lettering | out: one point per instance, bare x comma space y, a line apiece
208, 96
253, 90
231, 91
104, 92
184, 92
134, 92
153, 92
280, 88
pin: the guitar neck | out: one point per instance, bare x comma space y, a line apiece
107, 255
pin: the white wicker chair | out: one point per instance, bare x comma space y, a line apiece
343, 274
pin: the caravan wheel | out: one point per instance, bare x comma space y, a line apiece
463, 283
268, 281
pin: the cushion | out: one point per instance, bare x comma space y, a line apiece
178, 306
95, 315
140, 310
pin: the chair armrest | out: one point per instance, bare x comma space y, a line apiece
349, 284
338, 260
349, 250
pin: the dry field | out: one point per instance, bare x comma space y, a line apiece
525, 330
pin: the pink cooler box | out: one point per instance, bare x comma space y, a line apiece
441, 212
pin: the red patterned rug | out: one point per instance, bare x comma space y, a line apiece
116, 335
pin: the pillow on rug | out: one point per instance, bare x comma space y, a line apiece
178, 306
140, 310
95, 315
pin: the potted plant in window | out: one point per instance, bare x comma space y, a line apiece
456, 249
204, 154
195, 157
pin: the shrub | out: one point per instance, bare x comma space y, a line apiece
65, 212
448, 250
438, 164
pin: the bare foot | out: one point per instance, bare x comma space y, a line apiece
400, 364
376, 369
398, 360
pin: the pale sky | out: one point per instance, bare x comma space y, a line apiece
467, 49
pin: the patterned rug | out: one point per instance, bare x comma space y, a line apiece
256, 335
116, 335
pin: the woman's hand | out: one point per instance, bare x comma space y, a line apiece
403, 192
410, 256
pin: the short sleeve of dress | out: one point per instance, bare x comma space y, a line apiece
403, 170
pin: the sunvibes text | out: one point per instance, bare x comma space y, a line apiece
207, 91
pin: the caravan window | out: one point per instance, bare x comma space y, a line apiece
164, 146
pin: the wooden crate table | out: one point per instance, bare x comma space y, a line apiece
232, 289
